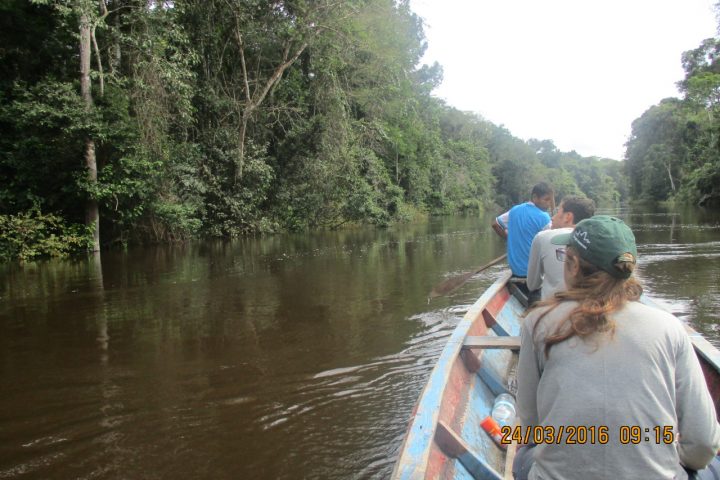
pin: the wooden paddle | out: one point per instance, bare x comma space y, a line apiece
453, 283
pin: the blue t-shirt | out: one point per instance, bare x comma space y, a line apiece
523, 222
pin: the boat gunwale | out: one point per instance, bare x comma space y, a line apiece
420, 434
426, 413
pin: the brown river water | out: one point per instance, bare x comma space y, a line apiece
283, 357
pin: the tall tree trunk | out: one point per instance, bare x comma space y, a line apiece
92, 215
101, 73
253, 100
115, 51
241, 147
397, 167
669, 172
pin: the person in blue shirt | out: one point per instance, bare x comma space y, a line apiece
521, 223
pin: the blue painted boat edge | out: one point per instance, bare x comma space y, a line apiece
415, 450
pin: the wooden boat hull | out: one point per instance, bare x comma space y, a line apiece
444, 439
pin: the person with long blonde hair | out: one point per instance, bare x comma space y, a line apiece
597, 367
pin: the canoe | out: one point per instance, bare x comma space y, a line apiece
444, 439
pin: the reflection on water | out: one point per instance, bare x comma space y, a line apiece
297, 356
679, 263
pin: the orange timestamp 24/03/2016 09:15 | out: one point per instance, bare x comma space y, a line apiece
583, 434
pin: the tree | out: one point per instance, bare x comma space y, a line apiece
515, 166
656, 150
84, 10
673, 149
546, 151
228, 117
267, 39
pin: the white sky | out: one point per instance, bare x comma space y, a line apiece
577, 72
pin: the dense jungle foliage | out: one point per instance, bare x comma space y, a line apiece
673, 152
156, 121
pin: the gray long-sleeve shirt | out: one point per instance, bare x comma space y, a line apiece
645, 375
544, 269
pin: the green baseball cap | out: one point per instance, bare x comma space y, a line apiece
603, 241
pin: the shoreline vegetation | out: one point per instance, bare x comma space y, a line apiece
137, 122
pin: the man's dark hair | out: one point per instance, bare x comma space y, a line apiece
542, 189
580, 207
